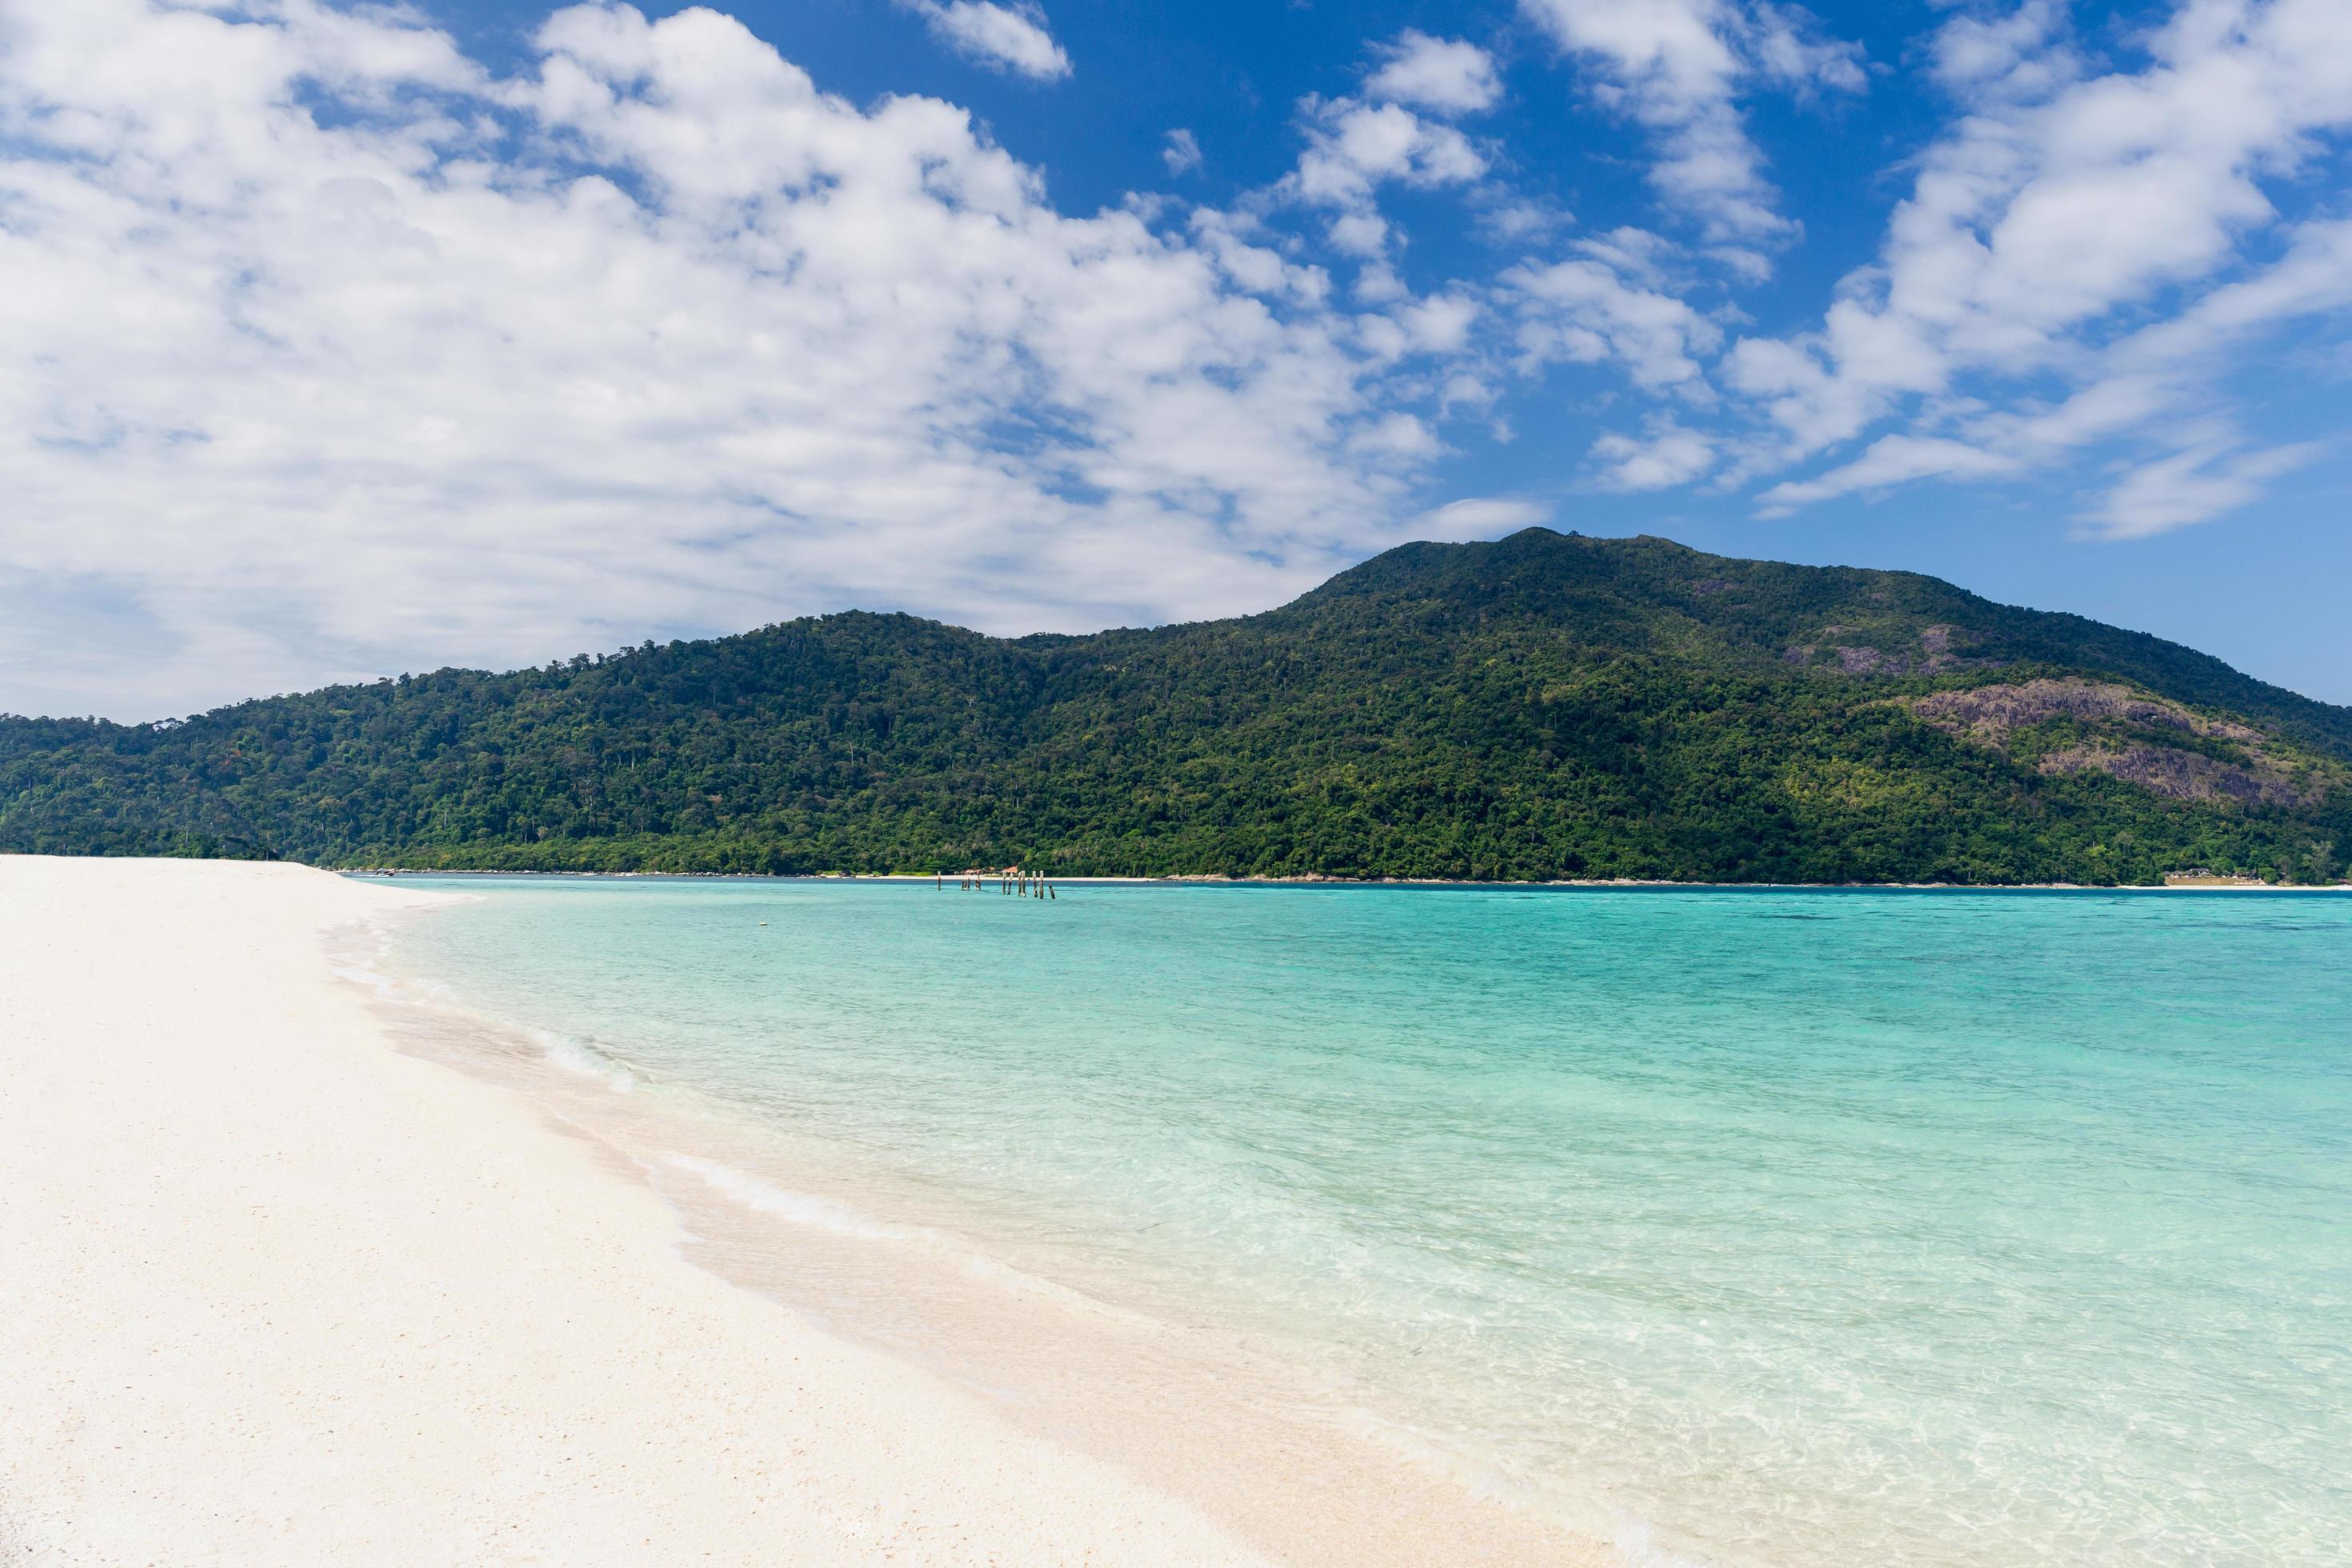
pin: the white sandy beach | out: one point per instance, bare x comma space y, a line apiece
275, 1293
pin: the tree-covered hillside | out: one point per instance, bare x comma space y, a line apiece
1548, 706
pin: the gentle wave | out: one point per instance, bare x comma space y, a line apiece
837, 1218
576, 1056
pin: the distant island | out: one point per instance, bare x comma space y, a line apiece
1546, 706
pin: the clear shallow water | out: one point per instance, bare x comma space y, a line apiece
1792, 1226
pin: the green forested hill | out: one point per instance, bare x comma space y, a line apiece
1548, 706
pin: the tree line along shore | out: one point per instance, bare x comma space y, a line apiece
1546, 708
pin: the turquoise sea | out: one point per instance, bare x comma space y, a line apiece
1753, 1227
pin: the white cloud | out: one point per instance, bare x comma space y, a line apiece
325, 351
2209, 477
1517, 221
1484, 517
1671, 51
1353, 148
1445, 76
1401, 436
1666, 455
1635, 252
1893, 460
2062, 213
1584, 312
2020, 54
2313, 275
1009, 37
1245, 252
1183, 151
1440, 324
2153, 375
1364, 233
1784, 45
1678, 66
1377, 284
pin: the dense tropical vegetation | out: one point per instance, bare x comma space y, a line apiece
1548, 706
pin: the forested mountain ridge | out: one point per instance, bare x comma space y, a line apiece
1545, 706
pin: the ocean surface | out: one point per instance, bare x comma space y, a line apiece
1748, 1228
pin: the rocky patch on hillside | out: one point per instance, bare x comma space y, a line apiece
1934, 652
2252, 772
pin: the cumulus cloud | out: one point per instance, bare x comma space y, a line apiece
1354, 147
1181, 152
1008, 37
1584, 311
1678, 68
2036, 218
1635, 252
1666, 455
2076, 225
1443, 76
329, 352
1438, 325
1514, 221
2020, 53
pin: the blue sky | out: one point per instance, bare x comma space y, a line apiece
348, 342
